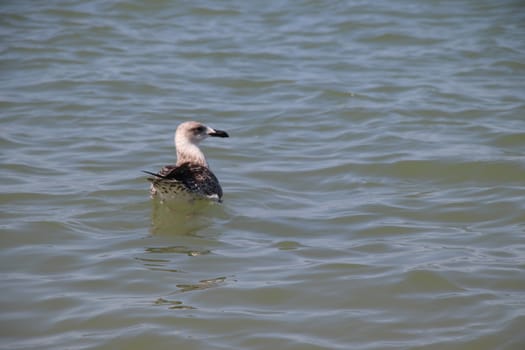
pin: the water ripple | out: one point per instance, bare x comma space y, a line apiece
374, 178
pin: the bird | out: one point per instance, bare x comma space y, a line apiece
190, 176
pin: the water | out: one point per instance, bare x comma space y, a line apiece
374, 179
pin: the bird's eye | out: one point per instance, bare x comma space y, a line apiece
200, 128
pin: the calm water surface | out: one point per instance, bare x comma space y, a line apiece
374, 179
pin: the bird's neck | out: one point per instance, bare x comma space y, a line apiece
189, 152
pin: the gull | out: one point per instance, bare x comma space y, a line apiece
191, 175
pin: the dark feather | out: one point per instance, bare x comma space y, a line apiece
154, 174
187, 177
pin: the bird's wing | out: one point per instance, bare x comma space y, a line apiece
196, 178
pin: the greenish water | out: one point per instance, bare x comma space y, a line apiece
374, 179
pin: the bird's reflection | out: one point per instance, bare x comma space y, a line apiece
181, 217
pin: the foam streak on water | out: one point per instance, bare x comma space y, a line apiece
374, 177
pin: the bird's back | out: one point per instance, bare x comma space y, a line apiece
186, 179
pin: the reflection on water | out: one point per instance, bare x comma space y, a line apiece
173, 304
179, 221
189, 287
177, 250
204, 284
181, 217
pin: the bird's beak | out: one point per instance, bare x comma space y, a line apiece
218, 133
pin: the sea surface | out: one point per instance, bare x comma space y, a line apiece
374, 177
